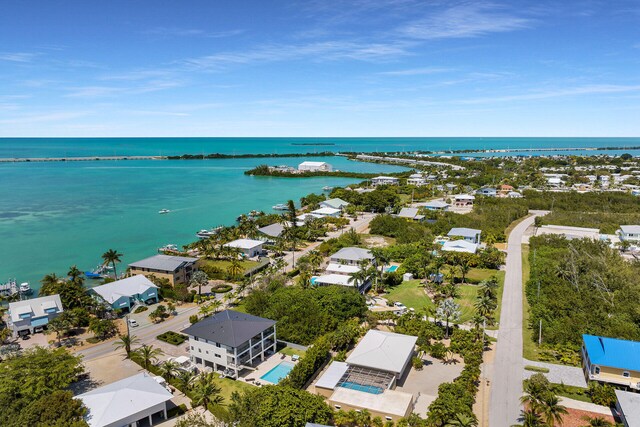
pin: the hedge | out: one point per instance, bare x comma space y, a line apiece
141, 309
221, 289
172, 338
307, 366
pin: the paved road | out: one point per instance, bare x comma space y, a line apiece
146, 334
506, 387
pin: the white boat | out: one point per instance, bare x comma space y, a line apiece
280, 207
168, 248
327, 188
164, 211
25, 288
203, 234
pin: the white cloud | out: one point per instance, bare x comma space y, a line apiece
465, 20
21, 57
190, 32
416, 71
575, 91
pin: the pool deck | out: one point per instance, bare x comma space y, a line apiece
253, 376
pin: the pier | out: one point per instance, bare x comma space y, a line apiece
78, 159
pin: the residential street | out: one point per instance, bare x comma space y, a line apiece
506, 387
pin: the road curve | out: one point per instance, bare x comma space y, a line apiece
506, 387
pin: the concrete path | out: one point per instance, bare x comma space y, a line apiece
506, 389
585, 406
569, 375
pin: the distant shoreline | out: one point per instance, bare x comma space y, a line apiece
217, 156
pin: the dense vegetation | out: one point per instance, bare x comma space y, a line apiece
33, 389
305, 314
584, 287
248, 156
265, 170
378, 200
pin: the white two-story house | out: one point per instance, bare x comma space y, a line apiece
33, 315
230, 341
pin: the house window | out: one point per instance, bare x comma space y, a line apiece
596, 370
218, 344
626, 374
216, 355
199, 350
191, 347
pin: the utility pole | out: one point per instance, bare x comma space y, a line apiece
540, 334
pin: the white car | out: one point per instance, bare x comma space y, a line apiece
400, 305
133, 323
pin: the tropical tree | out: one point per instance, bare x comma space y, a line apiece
112, 257
147, 355
462, 420
126, 342
168, 369
596, 422
235, 268
551, 410
530, 418
199, 279
102, 328
60, 325
448, 310
75, 275
205, 391
185, 380
49, 283
485, 307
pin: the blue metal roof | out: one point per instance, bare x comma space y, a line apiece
613, 352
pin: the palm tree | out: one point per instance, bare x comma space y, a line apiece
126, 342
112, 257
74, 274
315, 260
596, 422
49, 286
359, 278
551, 409
462, 420
485, 307
60, 325
291, 211
168, 369
215, 305
206, 391
464, 264
531, 418
185, 380
146, 355
235, 268
199, 279
448, 310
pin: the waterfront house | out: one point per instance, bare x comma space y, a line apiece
436, 205
136, 400
385, 180
410, 213
230, 341
334, 204
351, 256
315, 167
33, 315
463, 200
469, 234
248, 247
416, 179
629, 233
327, 212
366, 380
611, 360
628, 408
124, 294
460, 246
272, 231
176, 269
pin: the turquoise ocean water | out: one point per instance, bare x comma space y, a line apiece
54, 215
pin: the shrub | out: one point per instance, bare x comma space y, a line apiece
172, 338
602, 394
417, 363
221, 289
141, 309
533, 368
193, 319
312, 360
438, 350
178, 410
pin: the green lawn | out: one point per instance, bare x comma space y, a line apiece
411, 294
228, 386
224, 264
289, 351
530, 348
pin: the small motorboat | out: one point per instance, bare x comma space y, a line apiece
280, 207
327, 188
168, 248
164, 211
25, 289
203, 234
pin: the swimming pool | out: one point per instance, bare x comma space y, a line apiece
359, 387
392, 269
278, 372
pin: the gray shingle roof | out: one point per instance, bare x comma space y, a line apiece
163, 262
273, 230
408, 213
229, 327
352, 254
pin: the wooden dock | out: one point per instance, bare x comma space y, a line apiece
78, 159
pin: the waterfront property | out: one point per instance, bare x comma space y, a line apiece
272, 231
315, 167
33, 315
366, 380
611, 360
334, 204
629, 233
410, 213
124, 294
416, 179
628, 408
351, 256
248, 247
385, 180
469, 234
327, 212
230, 341
460, 246
176, 269
137, 399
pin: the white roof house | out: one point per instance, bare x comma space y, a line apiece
333, 279
332, 376
436, 205
272, 230
628, 407
393, 403
249, 247
385, 180
125, 402
342, 268
460, 246
35, 308
384, 351
129, 287
630, 233
315, 166
351, 255
334, 203
410, 213
323, 212
464, 197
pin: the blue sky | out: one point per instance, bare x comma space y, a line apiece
320, 68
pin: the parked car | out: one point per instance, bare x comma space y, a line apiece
133, 322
